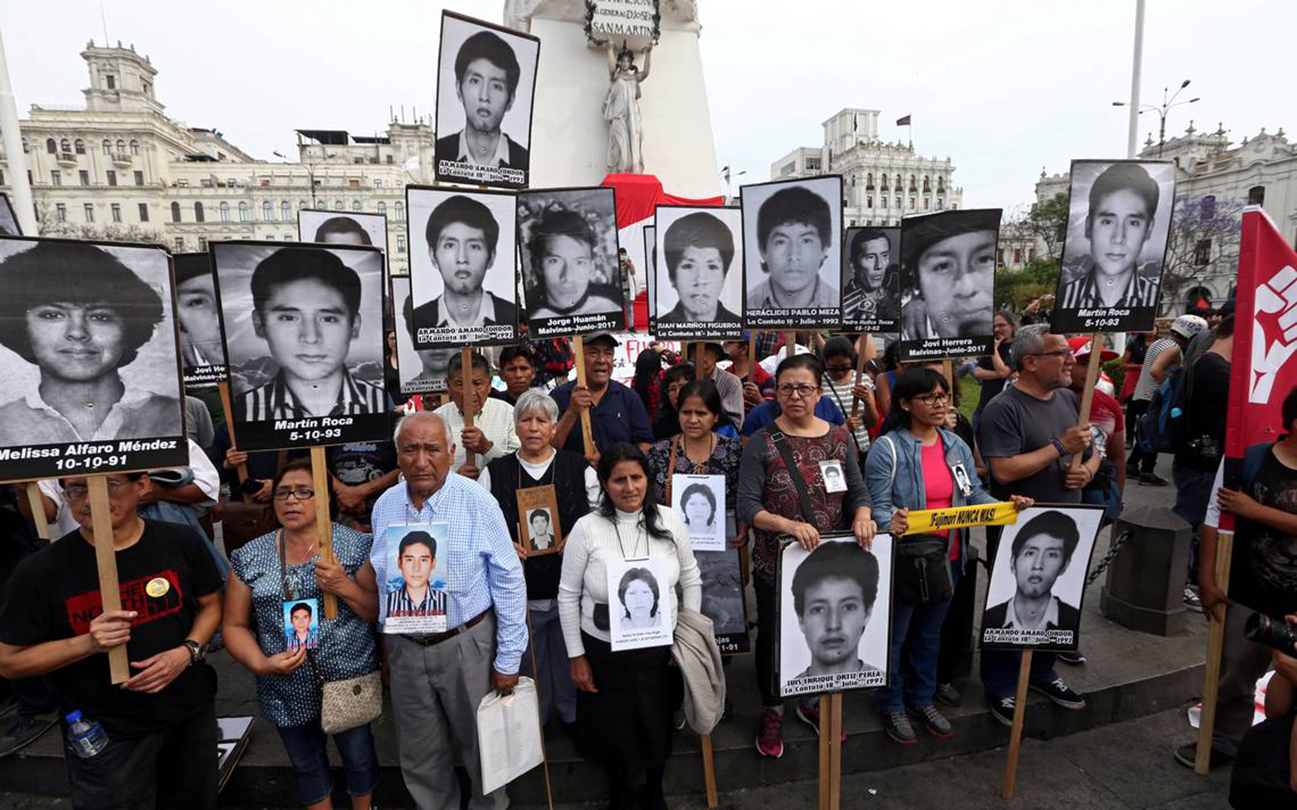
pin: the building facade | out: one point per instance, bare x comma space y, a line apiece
119, 168
881, 182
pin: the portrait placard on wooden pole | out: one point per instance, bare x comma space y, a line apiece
468, 409
860, 372
1215, 643
224, 387
1091, 378
110, 592
37, 503
1015, 734
323, 522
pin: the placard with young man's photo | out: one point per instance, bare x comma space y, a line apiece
199, 313
792, 261
1118, 226
948, 283
834, 615
303, 331
871, 280
486, 81
567, 245
699, 294
462, 267
412, 574
342, 228
421, 370
90, 356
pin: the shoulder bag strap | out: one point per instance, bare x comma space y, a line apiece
786, 453
671, 465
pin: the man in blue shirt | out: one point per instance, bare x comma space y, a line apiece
768, 411
616, 412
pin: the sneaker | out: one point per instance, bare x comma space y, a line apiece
770, 736
949, 695
25, 731
1002, 709
1186, 754
1152, 479
898, 727
1074, 657
810, 715
1058, 691
1192, 601
934, 721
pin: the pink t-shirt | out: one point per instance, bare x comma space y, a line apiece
939, 487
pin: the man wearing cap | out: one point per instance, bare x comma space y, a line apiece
617, 413
727, 385
1123, 201
948, 265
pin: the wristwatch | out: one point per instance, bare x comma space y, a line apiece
197, 652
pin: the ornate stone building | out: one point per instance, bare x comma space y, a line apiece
120, 168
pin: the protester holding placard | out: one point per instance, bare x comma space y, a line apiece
783, 491
491, 435
624, 706
616, 412
282, 567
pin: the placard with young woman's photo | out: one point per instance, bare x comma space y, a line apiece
700, 501
342, 228
199, 313
567, 245
699, 292
834, 615
421, 370
90, 356
871, 280
303, 331
639, 606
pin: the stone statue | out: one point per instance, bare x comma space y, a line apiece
621, 109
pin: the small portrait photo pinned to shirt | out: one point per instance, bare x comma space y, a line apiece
486, 81
538, 522
412, 587
90, 358
700, 501
639, 605
835, 477
462, 267
303, 332
341, 227
1033, 600
199, 312
421, 370
699, 294
301, 624
834, 615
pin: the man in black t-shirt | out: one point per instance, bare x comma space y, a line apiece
1208, 396
359, 473
161, 722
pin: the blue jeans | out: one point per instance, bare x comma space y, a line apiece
915, 647
308, 750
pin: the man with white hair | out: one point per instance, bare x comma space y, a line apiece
439, 679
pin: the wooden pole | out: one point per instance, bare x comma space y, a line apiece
835, 750
790, 343
1215, 641
826, 759
699, 348
709, 771
752, 354
1091, 377
37, 502
1015, 734
587, 433
224, 388
544, 756
466, 375
860, 373
323, 523
110, 590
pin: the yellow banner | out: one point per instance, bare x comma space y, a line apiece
1001, 513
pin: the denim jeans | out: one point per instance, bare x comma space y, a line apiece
308, 750
915, 647
1192, 494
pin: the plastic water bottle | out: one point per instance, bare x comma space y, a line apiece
86, 737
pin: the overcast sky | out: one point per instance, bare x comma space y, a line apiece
1003, 87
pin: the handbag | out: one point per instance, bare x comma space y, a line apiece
344, 704
923, 575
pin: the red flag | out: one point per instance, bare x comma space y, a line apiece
903, 122
1263, 369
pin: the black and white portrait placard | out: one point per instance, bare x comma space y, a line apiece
567, 244
792, 261
90, 358
948, 283
639, 604
723, 598
699, 292
1033, 600
650, 274
871, 280
834, 615
8, 220
700, 501
342, 228
486, 81
462, 267
422, 371
1118, 225
199, 312
303, 332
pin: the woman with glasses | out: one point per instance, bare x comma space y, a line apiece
919, 464
284, 565
770, 501
840, 379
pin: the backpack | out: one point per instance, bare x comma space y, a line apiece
1164, 427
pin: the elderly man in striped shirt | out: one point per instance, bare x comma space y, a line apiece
438, 680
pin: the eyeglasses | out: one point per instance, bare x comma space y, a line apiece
839, 369
788, 390
300, 493
1055, 353
76, 492
937, 398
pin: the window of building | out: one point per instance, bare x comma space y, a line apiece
65, 146
382, 208
353, 184
175, 212
135, 147
869, 201
108, 146
198, 212
400, 209
355, 205
286, 211
202, 244
79, 146
51, 146
926, 202
61, 211
954, 206
56, 177
244, 214
180, 244
1202, 253
869, 181
1017, 255
139, 178
89, 208
389, 160
812, 164
927, 184
896, 203
400, 244
225, 211
911, 203
1256, 195
121, 147
338, 205
883, 186
231, 182
116, 209
898, 183
941, 184
84, 177
267, 210
912, 185
144, 212
110, 81
1031, 254
112, 177
378, 182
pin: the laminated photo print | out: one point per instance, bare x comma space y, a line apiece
199, 312
462, 267
301, 624
539, 528
1033, 600
342, 228
948, 283
699, 294
8, 220
90, 358
422, 371
303, 332
871, 280
567, 245
1118, 226
639, 604
700, 502
486, 81
413, 594
792, 255
834, 615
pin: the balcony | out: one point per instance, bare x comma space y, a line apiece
122, 159
67, 159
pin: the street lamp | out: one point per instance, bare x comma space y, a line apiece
310, 172
725, 172
1168, 103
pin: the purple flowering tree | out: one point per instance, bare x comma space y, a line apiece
1204, 243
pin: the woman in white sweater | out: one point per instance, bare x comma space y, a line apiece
624, 698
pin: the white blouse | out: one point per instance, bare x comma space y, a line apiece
592, 542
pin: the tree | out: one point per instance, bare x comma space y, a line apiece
1204, 242
109, 232
1047, 222
1015, 289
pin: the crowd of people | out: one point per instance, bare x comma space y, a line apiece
821, 436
